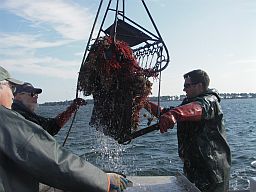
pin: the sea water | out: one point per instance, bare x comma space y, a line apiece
155, 154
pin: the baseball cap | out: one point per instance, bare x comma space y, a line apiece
27, 88
4, 75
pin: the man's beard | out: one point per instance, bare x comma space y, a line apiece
31, 106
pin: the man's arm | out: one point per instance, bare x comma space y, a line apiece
29, 146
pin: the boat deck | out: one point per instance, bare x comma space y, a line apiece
161, 184
178, 183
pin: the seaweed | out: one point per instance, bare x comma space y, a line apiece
118, 84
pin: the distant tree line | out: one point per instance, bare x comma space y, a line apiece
167, 98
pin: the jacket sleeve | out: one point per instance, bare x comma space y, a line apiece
37, 152
210, 107
49, 124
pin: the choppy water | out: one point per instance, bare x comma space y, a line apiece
155, 153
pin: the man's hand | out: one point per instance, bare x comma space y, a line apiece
117, 182
63, 117
152, 108
167, 121
79, 102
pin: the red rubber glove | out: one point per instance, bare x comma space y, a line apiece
153, 108
78, 102
167, 121
189, 112
63, 117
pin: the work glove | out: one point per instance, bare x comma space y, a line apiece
77, 102
117, 183
166, 121
63, 117
189, 112
152, 108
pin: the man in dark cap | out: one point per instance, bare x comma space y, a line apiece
25, 102
29, 155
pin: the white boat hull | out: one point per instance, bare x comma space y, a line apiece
177, 183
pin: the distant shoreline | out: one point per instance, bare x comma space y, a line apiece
166, 98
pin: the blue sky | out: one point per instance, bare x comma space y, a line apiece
43, 42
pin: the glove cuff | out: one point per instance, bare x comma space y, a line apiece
189, 112
153, 108
63, 117
108, 183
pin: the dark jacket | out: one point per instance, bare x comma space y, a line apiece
48, 124
203, 145
29, 155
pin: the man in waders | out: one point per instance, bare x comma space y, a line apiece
202, 143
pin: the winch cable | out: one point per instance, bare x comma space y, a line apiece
159, 95
72, 122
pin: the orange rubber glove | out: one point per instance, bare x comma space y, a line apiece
117, 183
189, 112
63, 117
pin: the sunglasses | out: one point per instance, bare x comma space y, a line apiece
188, 85
31, 94
12, 87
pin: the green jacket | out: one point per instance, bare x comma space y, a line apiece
203, 145
29, 155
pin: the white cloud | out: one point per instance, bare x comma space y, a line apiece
19, 53
52, 67
65, 17
27, 41
80, 54
58, 18
245, 61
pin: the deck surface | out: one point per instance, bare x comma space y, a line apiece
149, 184
176, 183
160, 184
